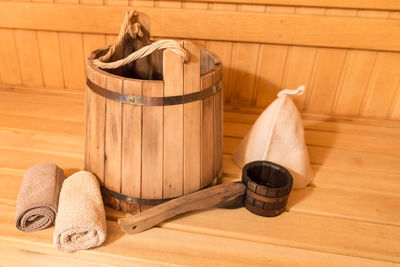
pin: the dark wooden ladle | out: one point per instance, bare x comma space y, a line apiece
264, 190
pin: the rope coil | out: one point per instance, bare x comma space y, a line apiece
134, 30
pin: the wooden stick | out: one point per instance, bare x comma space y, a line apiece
207, 198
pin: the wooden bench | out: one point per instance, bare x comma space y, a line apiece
349, 215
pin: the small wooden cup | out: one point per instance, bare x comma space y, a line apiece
268, 187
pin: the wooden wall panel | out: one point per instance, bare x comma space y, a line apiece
366, 4
269, 78
73, 59
384, 84
356, 74
9, 64
50, 57
326, 31
329, 64
340, 82
299, 68
29, 60
242, 77
92, 42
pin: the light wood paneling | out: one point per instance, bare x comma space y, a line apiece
9, 64
272, 64
325, 80
29, 60
242, 77
356, 74
367, 4
365, 33
72, 56
113, 140
258, 61
384, 83
173, 126
50, 57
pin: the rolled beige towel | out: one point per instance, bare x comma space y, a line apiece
37, 200
81, 219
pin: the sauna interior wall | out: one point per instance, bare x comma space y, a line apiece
350, 82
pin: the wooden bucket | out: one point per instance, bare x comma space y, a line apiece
150, 140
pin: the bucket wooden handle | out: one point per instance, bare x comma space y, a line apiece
212, 197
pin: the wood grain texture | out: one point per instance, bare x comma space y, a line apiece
270, 76
95, 129
113, 141
131, 165
191, 122
9, 65
356, 74
92, 42
347, 217
50, 58
173, 72
204, 199
272, 28
29, 59
325, 79
208, 140
152, 144
72, 59
370, 4
141, 250
218, 127
252, 76
243, 72
384, 83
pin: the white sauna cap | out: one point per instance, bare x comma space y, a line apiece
278, 136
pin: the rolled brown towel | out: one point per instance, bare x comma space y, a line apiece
37, 200
81, 219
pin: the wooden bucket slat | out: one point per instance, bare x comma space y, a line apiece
207, 133
95, 127
152, 144
131, 169
88, 120
218, 123
192, 122
173, 126
113, 142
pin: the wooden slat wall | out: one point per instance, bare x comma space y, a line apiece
341, 81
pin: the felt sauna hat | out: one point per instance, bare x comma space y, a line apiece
278, 136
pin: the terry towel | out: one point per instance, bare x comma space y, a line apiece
37, 200
81, 219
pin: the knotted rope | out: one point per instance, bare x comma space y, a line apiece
134, 30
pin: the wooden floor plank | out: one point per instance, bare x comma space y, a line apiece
381, 181
21, 159
332, 157
36, 141
304, 207
346, 201
294, 229
171, 247
350, 209
63, 106
37, 124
